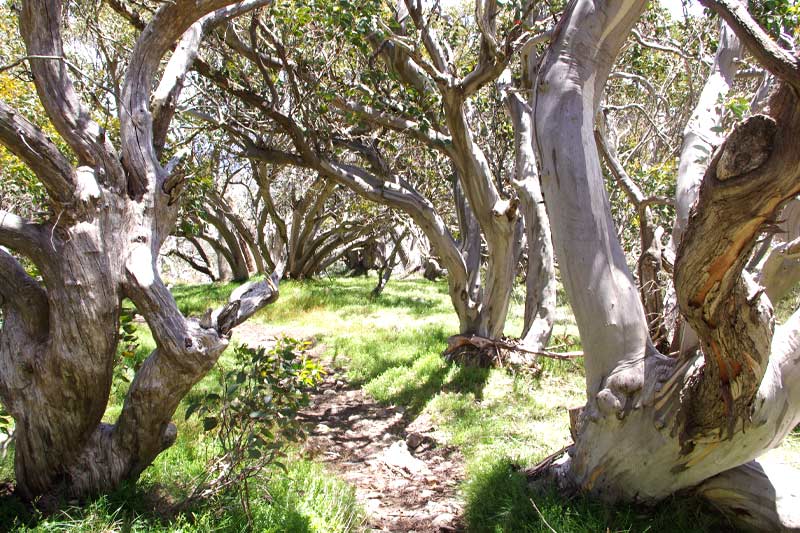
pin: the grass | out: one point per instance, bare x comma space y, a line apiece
500, 500
499, 421
391, 347
303, 499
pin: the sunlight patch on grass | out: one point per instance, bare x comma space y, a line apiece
517, 418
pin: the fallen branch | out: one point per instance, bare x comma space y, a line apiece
482, 343
544, 465
542, 516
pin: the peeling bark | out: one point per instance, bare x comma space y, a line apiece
653, 425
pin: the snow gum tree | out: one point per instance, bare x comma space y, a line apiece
394, 85
111, 206
653, 425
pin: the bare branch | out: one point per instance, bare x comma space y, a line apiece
29, 143
136, 121
658, 46
432, 137
21, 235
430, 39
189, 260
777, 60
40, 22
23, 293
632, 191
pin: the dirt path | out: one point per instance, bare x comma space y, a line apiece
406, 480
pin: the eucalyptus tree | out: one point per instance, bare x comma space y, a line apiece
112, 203
652, 424
346, 108
317, 223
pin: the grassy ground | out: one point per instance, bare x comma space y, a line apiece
391, 347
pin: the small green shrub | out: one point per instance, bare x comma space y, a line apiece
253, 416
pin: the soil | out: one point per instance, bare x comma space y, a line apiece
405, 478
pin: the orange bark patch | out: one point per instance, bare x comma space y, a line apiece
593, 477
727, 370
723, 263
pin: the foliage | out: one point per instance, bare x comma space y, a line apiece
254, 416
781, 18
129, 356
6, 430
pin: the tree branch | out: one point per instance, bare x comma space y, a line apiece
168, 91
774, 58
432, 137
136, 122
22, 235
40, 25
23, 293
30, 144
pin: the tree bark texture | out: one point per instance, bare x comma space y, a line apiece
653, 425
59, 338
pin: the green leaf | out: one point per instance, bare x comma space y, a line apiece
193, 407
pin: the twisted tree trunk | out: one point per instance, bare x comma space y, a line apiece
59, 338
653, 425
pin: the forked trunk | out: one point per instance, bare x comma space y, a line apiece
654, 425
59, 338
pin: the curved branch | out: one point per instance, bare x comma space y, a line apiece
752, 174
136, 122
29, 143
40, 25
22, 235
432, 137
22, 292
166, 95
774, 58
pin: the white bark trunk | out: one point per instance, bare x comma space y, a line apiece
700, 137
653, 425
594, 271
540, 277
757, 496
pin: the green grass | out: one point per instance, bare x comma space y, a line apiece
390, 346
500, 500
304, 499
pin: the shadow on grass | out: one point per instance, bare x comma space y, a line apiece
407, 367
295, 504
468, 380
500, 500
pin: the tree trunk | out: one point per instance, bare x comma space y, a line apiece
540, 276
699, 139
59, 338
653, 425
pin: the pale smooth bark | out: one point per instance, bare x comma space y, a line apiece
653, 425
700, 137
779, 272
594, 271
649, 264
540, 277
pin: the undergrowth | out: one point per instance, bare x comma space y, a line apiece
390, 346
